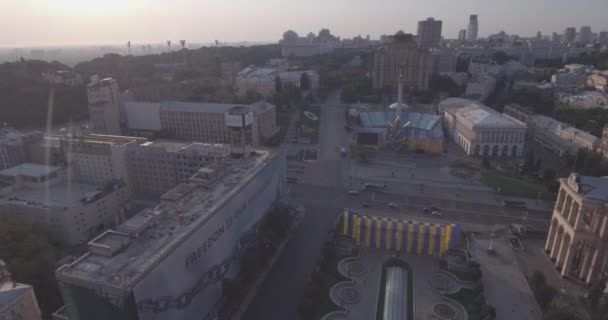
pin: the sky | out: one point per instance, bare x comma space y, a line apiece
80, 22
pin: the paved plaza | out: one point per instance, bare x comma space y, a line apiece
359, 296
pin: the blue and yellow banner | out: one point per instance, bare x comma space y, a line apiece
400, 235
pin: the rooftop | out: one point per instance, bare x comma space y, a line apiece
197, 107
417, 120
60, 195
593, 187
177, 146
486, 117
105, 139
124, 269
30, 170
476, 113
561, 128
11, 291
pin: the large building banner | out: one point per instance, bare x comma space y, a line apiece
400, 235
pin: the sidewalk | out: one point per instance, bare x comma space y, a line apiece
505, 286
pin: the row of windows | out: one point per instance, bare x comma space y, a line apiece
501, 136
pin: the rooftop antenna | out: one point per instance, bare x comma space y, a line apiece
169, 45
129, 47
183, 44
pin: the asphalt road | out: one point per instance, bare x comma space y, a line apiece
279, 296
322, 190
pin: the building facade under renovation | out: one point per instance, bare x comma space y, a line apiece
400, 130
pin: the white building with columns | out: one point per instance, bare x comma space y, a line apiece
481, 130
577, 240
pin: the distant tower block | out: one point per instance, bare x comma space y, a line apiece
239, 121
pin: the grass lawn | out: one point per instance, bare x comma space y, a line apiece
515, 187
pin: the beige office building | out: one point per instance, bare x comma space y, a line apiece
98, 159
70, 212
577, 240
205, 122
480, 130
155, 167
402, 55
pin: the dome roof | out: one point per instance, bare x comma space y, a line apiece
398, 105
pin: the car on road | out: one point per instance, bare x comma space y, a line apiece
437, 213
354, 192
430, 209
365, 205
374, 186
393, 205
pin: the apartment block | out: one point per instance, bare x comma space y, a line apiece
70, 212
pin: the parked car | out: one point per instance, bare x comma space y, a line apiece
354, 192
437, 213
393, 205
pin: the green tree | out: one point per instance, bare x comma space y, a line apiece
595, 292
278, 85
232, 289
305, 81
562, 311
548, 174
485, 162
30, 259
543, 293
253, 96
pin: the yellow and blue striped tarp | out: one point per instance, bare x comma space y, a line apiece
400, 235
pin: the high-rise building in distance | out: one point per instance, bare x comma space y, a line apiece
555, 37
473, 28
603, 37
105, 106
429, 33
585, 35
401, 55
462, 34
570, 35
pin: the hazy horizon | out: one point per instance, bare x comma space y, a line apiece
36, 23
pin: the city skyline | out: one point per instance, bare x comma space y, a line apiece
70, 22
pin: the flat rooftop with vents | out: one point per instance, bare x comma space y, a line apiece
117, 259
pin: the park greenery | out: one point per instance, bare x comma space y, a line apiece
553, 305
471, 298
316, 301
30, 259
26, 96
272, 232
